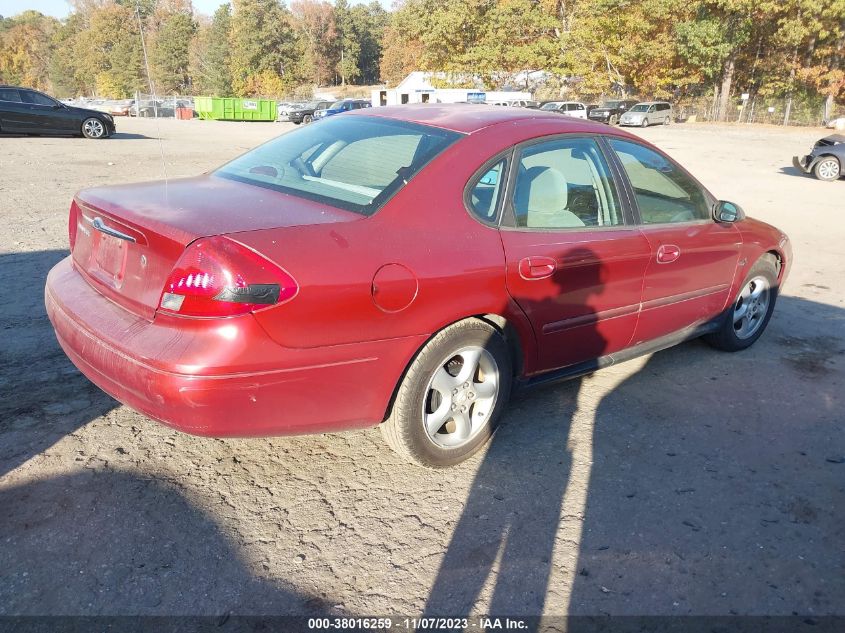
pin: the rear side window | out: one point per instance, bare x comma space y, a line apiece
354, 163
663, 191
564, 183
9, 94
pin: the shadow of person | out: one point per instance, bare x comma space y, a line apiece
717, 485
47, 398
111, 543
511, 522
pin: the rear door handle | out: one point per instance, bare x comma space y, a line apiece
667, 253
537, 267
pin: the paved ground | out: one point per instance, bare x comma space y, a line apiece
690, 482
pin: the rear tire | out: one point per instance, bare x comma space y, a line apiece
666, 121
449, 401
749, 314
827, 169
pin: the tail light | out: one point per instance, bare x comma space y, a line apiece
218, 277
72, 223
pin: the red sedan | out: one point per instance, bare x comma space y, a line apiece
404, 267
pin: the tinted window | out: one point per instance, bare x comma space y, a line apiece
564, 184
664, 192
355, 163
8, 94
485, 193
36, 98
662, 106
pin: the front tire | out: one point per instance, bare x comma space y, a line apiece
749, 314
644, 123
93, 128
307, 119
449, 401
827, 169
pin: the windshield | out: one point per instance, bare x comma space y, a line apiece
640, 107
354, 163
612, 104
550, 106
336, 105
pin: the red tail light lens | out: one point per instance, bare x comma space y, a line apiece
217, 277
72, 223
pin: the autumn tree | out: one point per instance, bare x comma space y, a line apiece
26, 49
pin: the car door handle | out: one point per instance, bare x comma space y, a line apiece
537, 267
667, 253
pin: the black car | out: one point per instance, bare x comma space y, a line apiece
305, 114
825, 159
610, 111
27, 111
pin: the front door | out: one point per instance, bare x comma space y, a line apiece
574, 265
694, 258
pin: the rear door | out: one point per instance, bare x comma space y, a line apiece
14, 114
694, 258
574, 260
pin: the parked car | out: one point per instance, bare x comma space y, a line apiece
648, 113
28, 111
305, 114
301, 288
611, 111
570, 108
338, 107
122, 108
825, 159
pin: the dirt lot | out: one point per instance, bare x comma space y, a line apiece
689, 482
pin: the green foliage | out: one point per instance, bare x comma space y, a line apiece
262, 44
211, 72
170, 53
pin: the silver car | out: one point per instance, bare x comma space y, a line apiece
648, 113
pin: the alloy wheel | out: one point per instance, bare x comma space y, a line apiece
751, 307
93, 128
460, 397
829, 169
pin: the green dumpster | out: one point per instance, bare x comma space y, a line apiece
233, 109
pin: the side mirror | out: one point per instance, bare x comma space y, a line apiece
724, 211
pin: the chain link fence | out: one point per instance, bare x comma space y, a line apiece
800, 111
156, 106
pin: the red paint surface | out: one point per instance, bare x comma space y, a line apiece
331, 357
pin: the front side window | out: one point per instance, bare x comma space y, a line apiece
663, 191
354, 163
485, 193
36, 98
565, 183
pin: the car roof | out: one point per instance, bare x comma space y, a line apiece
469, 118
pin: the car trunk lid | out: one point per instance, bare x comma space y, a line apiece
129, 237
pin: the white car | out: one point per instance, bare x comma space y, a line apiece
569, 108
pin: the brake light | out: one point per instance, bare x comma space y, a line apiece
218, 277
72, 223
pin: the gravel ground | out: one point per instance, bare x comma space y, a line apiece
688, 482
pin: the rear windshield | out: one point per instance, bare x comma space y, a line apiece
354, 163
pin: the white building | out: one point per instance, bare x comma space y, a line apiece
417, 88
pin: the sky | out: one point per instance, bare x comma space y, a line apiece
60, 8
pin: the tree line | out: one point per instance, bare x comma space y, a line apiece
669, 49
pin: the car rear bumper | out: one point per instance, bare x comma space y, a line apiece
221, 377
